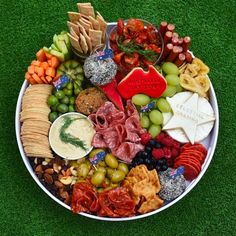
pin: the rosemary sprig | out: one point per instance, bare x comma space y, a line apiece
68, 138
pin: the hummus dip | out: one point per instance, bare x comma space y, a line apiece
70, 136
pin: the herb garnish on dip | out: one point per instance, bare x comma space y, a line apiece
70, 136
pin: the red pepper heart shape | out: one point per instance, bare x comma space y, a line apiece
151, 83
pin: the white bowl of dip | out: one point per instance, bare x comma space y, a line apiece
71, 135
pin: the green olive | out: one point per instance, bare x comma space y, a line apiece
94, 152
99, 190
102, 163
123, 167
83, 170
117, 176
111, 161
102, 169
110, 172
106, 182
97, 178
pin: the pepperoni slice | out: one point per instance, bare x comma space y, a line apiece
190, 172
197, 146
84, 198
183, 161
195, 153
116, 203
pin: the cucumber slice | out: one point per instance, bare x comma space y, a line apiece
45, 49
57, 54
53, 46
65, 38
62, 47
55, 39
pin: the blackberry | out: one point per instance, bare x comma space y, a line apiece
154, 144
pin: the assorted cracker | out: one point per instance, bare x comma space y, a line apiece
87, 29
144, 186
35, 124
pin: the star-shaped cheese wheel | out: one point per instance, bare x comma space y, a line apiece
187, 115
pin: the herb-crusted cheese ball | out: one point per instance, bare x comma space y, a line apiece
99, 72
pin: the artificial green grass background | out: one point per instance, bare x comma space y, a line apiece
209, 209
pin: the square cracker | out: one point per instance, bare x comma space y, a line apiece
86, 9
72, 32
83, 44
73, 26
87, 38
73, 16
96, 37
86, 24
94, 22
75, 43
102, 25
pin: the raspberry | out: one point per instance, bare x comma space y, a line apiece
158, 153
160, 137
167, 152
174, 152
145, 138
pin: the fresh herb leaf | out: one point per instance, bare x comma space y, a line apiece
131, 47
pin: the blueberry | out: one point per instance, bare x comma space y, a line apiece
139, 155
148, 149
150, 166
144, 155
148, 161
164, 167
158, 168
154, 144
162, 161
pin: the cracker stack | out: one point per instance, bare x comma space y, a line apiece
35, 124
87, 31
